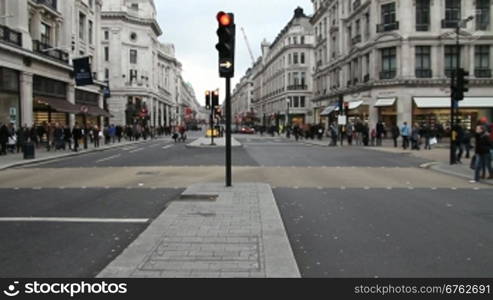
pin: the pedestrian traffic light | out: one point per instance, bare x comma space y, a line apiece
462, 84
208, 99
215, 98
226, 45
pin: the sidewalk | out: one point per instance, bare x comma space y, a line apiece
212, 232
12, 160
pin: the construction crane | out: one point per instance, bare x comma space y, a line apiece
248, 45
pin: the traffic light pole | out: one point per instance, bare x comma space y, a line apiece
454, 100
228, 132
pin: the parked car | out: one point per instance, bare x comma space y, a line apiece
247, 130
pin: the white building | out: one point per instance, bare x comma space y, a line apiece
392, 60
241, 101
282, 76
38, 39
144, 74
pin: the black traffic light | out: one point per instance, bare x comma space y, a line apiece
208, 99
215, 98
226, 45
462, 84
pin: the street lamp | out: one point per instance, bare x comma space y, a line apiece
454, 106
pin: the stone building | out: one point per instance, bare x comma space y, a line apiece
241, 101
392, 60
282, 81
38, 40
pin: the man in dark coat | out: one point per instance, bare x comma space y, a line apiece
67, 137
4, 138
77, 135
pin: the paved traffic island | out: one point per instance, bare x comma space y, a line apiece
218, 143
212, 232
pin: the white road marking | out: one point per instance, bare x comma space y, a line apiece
74, 220
167, 147
136, 150
108, 158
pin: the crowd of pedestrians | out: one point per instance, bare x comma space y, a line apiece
56, 137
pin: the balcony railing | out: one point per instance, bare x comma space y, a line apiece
388, 74
387, 27
424, 73
50, 3
366, 78
10, 36
298, 87
356, 39
450, 23
422, 27
482, 73
49, 51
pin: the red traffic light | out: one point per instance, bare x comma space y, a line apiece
224, 19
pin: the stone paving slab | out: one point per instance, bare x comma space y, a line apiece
241, 234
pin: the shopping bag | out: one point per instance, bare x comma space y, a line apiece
433, 141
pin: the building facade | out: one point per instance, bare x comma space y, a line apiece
392, 60
282, 81
241, 101
38, 40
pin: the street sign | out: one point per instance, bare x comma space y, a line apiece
342, 120
82, 70
226, 65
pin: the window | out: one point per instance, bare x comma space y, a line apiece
90, 32
482, 14
302, 101
82, 25
367, 64
423, 62
389, 63
357, 28
134, 6
295, 40
45, 34
303, 75
106, 53
289, 59
133, 75
106, 35
388, 13
422, 15
302, 58
451, 56
295, 58
296, 78
482, 61
133, 56
367, 26
91, 3
302, 40
107, 74
452, 10
296, 101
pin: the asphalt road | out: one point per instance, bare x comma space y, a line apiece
349, 212
79, 248
390, 233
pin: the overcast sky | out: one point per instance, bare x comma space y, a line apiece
191, 26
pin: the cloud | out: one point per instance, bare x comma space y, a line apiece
191, 26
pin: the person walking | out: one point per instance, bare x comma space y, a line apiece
58, 137
350, 133
333, 135
380, 133
405, 133
415, 137
482, 154
95, 135
67, 137
395, 135
4, 138
76, 135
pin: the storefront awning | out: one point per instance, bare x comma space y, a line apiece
327, 111
445, 102
96, 111
59, 105
385, 102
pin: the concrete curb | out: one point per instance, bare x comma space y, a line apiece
70, 154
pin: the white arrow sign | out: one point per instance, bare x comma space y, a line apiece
226, 65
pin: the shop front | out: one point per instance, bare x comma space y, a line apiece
9, 97
89, 111
387, 111
435, 111
50, 103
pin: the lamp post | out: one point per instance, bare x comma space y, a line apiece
454, 106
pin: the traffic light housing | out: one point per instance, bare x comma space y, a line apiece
226, 45
208, 99
215, 98
462, 84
